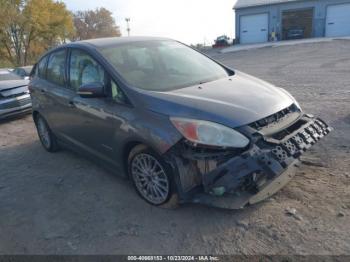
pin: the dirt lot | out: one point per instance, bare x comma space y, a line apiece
63, 204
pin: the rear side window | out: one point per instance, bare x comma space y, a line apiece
56, 67
41, 72
84, 70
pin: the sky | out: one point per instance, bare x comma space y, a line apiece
189, 21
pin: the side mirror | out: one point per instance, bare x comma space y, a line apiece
91, 90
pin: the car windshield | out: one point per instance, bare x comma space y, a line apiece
162, 65
7, 75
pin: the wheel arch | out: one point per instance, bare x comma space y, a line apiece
129, 146
35, 114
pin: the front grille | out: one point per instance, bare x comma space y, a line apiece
274, 118
15, 103
288, 147
283, 133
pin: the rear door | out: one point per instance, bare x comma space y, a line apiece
37, 86
59, 109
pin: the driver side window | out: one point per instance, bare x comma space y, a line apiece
84, 70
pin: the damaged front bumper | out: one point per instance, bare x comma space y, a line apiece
15, 105
251, 176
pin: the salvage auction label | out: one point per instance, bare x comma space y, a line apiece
173, 258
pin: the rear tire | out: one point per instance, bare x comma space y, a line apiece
47, 138
152, 177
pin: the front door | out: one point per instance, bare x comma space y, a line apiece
94, 119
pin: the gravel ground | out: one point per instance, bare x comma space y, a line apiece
63, 204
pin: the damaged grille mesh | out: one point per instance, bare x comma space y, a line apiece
274, 118
283, 133
300, 142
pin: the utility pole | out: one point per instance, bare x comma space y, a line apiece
128, 25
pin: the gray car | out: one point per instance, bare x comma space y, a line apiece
183, 127
14, 95
23, 71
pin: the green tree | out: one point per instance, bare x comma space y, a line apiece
96, 23
11, 30
29, 27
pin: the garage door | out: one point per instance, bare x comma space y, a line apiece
338, 20
254, 28
297, 23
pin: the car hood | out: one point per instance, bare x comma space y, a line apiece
10, 88
235, 101
8, 84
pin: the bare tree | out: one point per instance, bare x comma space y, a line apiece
96, 23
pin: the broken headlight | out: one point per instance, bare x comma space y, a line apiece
209, 133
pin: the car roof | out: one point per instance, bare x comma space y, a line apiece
111, 41
106, 42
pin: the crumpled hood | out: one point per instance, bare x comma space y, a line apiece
13, 87
234, 101
7, 84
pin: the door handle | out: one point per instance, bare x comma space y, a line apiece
71, 104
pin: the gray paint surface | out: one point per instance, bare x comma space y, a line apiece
238, 100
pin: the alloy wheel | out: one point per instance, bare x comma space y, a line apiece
44, 133
150, 178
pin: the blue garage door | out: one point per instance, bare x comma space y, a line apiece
338, 20
254, 28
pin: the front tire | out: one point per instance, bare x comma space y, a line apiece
47, 138
152, 177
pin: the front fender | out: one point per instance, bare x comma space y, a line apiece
152, 129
